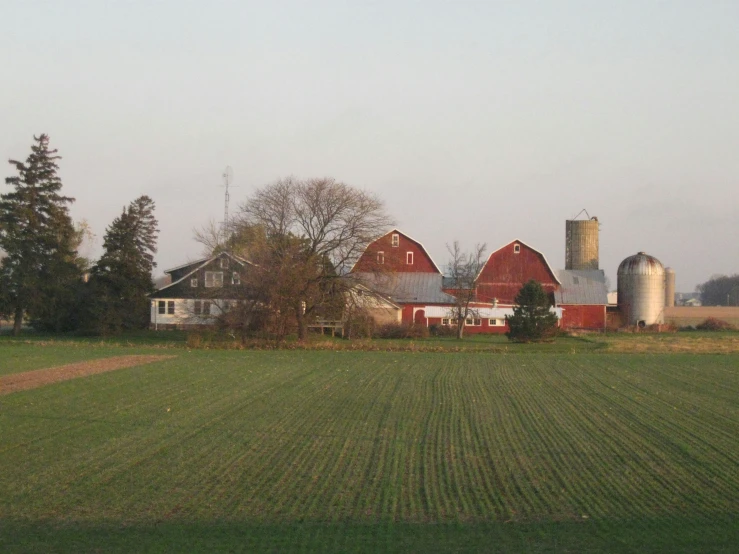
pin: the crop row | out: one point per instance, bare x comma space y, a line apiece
365, 437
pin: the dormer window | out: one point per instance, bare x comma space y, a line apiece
194, 282
395, 240
380, 257
213, 279
409, 258
224, 263
516, 248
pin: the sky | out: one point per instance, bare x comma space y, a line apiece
478, 121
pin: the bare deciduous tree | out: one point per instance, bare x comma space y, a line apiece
210, 237
462, 270
302, 237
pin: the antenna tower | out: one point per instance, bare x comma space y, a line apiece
228, 176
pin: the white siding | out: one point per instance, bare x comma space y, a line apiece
184, 312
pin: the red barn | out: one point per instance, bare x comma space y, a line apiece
399, 267
508, 269
395, 252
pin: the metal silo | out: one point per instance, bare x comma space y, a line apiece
641, 290
581, 243
669, 287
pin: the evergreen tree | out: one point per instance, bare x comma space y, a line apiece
117, 296
38, 275
532, 320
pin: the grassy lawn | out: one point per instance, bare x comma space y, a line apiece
688, 342
374, 451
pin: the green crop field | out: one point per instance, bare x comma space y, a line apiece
372, 451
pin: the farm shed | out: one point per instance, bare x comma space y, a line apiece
582, 295
362, 299
411, 291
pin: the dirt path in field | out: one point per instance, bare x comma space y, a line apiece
41, 377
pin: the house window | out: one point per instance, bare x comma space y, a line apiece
170, 307
194, 282
235, 279
202, 307
213, 279
496, 322
380, 257
162, 307
516, 248
409, 258
198, 307
472, 322
224, 263
396, 240
206, 307
445, 321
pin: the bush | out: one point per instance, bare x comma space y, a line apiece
360, 327
714, 324
402, 331
442, 331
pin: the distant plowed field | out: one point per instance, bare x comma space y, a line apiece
683, 316
374, 451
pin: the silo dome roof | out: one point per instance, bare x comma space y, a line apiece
641, 264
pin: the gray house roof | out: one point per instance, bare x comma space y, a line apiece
581, 287
407, 287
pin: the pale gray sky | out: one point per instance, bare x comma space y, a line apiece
479, 121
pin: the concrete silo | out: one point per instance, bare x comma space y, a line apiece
641, 290
669, 287
581, 244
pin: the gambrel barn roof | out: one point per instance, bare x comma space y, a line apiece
531, 248
384, 242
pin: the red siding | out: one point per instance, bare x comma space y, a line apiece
505, 273
395, 257
583, 317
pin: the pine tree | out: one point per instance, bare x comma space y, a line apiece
532, 320
120, 282
38, 275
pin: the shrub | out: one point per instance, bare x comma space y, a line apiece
402, 331
194, 340
714, 324
442, 331
360, 327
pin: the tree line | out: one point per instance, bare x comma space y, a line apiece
42, 277
720, 290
